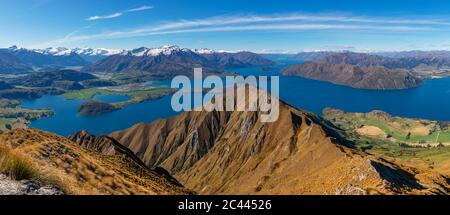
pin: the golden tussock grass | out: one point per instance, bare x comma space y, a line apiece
18, 167
54, 160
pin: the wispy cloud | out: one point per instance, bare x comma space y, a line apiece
147, 32
226, 20
69, 35
118, 14
275, 22
142, 8
114, 15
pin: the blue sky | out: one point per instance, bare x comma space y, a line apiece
260, 26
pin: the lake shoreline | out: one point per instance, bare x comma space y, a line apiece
306, 94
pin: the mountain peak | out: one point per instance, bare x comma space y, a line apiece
96, 51
205, 51
163, 50
13, 47
56, 51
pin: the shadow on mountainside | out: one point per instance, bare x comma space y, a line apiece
398, 178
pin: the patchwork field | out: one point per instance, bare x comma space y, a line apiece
422, 143
378, 124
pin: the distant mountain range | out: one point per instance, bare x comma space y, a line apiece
36, 84
88, 54
9, 63
162, 62
368, 60
63, 79
381, 70
413, 53
369, 71
21, 60
400, 59
169, 61
376, 77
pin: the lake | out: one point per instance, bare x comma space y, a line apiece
67, 120
430, 101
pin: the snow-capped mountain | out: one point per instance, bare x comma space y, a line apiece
95, 54
168, 61
104, 52
152, 59
62, 51
96, 51
37, 59
210, 51
164, 50
88, 54
168, 50
58, 51
10, 64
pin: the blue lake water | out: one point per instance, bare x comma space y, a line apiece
67, 120
430, 101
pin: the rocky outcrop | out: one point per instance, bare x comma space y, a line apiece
25, 187
102, 144
109, 146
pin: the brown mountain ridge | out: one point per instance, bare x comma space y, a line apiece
375, 77
217, 152
78, 168
300, 153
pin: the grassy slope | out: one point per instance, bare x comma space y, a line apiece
4, 122
352, 121
86, 93
54, 160
434, 157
